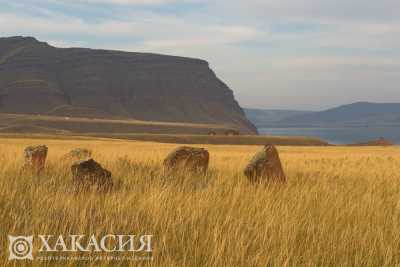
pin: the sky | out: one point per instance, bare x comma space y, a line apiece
274, 54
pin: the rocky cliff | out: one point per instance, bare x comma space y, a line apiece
36, 78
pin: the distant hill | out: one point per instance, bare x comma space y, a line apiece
36, 78
267, 117
356, 114
378, 142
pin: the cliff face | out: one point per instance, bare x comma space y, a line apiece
36, 78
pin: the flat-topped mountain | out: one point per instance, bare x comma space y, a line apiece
36, 78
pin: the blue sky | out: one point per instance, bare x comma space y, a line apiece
296, 54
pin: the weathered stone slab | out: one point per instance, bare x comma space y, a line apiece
187, 159
265, 166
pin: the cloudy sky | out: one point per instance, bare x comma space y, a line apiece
296, 54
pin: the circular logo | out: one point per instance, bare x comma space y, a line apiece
20, 247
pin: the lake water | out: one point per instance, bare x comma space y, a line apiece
343, 135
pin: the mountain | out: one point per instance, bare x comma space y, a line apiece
268, 117
356, 114
36, 78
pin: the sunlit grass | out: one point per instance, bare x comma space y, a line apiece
341, 206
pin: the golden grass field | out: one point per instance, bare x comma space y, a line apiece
341, 206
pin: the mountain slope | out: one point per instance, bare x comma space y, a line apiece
36, 78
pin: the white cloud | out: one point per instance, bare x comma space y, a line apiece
179, 34
127, 2
383, 10
350, 46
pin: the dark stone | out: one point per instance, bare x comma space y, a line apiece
88, 173
265, 166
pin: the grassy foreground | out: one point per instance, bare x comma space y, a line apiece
341, 206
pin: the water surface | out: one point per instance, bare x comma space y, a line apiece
339, 135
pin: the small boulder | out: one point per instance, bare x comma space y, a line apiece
187, 158
79, 154
265, 166
35, 158
87, 173
231, 133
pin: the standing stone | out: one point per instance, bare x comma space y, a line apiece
35, 158
79, 154
87, 173
187, 158
265, 166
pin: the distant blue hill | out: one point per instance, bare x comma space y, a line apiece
356, 114
267, 117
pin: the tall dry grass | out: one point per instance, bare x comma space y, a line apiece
341, 206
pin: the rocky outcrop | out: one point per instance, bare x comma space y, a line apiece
36, 78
